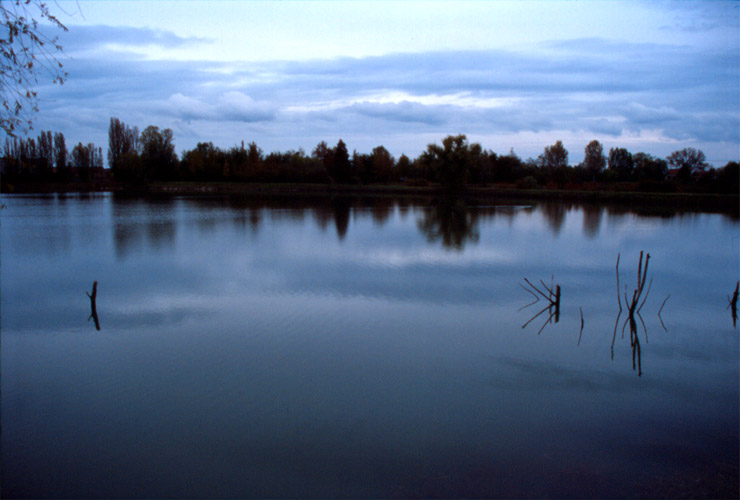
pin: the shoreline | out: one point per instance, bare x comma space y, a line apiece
725, 203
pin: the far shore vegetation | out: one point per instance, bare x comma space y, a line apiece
146, 161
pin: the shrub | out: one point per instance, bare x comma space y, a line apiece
527, 182
651, 186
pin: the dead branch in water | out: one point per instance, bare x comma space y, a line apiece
619, 301
659, 311
634, 306
552, 297
733, 304
93, 308
641, 277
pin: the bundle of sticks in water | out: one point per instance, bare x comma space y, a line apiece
553, 301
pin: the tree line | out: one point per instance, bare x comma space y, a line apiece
142, 157
46, 159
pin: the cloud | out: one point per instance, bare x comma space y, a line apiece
237, 106
403, 112
647, 115
99, 38
231, 106
188, 108
701, 17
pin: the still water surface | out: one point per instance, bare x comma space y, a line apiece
357, 348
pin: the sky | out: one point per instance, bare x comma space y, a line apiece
651, 77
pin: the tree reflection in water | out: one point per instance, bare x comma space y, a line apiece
450, 220
341, 209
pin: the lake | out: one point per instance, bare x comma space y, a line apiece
356, 347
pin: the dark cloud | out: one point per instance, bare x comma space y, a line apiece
701, 17
404, 111
589, 65
230, 106
85, 38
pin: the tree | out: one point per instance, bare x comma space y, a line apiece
555, 156
508, 168
362, 166
451, 163
122, 142
205, 162
594, 160
339, 166
553, 164
158, 153
255, 159
728, 178
689, 161
621, 163
26, 53
404, 167
60, 155
96, 155
45, 158
321, 152
81, 161
649, 168
382, 165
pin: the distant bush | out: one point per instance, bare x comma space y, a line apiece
650, 186
416, 182
527, 182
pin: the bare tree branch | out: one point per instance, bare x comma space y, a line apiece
26, 52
